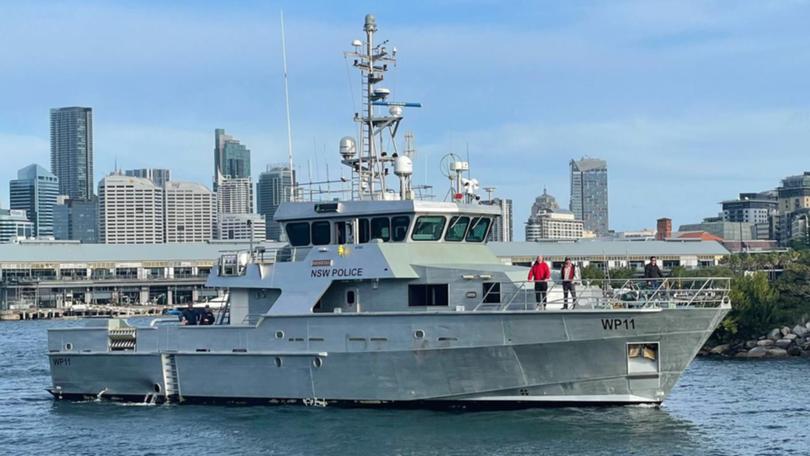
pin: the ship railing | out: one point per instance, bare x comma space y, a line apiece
233, 263
664, 293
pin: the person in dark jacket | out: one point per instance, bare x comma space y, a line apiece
653, 273
540, 273
189, 316
207, 317
567, 273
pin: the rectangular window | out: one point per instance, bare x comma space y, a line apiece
320, 233
420, 295
428, 228
642, 358
478, 229
457, 229
492, 292
381, 228
298, 233
363, 227
399, 227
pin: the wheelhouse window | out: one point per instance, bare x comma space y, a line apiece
363, 227
420, 295
478, 229
298, 233
428, 228
457, 228
343, 232
381, 228
399, 227
320, 233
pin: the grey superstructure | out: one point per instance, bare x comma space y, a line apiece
384, 299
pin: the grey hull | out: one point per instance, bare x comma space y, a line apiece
530, 358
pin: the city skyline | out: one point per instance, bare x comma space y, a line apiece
673, 128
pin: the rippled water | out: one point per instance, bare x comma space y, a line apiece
718, 407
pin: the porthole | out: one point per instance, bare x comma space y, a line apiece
156, 387
278, 362
317, 362
68, 346
418, 334
279, 334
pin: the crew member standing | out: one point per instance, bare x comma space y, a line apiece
540, 273
653, 273
568, 272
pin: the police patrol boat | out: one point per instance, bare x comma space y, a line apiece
386, 299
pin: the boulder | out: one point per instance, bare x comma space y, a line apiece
783, 343
800, 330
764, 343
785, 330
750, 344
742, 354
775, 333
790, 337
757, 352
805, 346
794, 351
807, 325
719, 350
777, 353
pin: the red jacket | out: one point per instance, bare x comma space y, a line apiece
539, 271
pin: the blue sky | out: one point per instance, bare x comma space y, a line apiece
689, 102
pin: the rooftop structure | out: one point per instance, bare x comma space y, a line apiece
158, 176
13, 225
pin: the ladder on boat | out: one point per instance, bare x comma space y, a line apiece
171, 385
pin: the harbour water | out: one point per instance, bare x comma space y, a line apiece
719, 407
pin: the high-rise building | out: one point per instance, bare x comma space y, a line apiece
158, 176
760, 209
14, 224
241, 226
35, 191
589, 194
76, 220
792, 197
231, 159
502, 230
72, 151
189, 212
130, 211
548, 222
235, 196
274, 187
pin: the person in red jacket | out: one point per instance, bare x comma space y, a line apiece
568, 273
540, 273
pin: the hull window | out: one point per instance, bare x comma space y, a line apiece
427, 295
492, 292
642, 358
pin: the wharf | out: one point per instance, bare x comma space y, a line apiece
44, 313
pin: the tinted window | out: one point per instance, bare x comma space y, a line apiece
478, 229
381, 228
363, 234
298, 233
492, 292
320, 233
399, 227
457, 228
428, 228
427, 295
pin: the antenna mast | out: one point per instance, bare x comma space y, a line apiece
287, 108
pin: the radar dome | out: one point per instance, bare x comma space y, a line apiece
403, 166
347, 147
